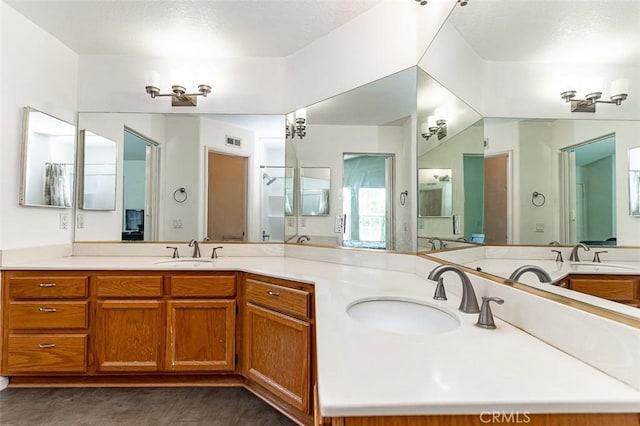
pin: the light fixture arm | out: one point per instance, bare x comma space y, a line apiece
588, 104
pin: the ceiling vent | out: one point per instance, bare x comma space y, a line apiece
231, 141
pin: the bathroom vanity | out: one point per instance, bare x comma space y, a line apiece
279, 325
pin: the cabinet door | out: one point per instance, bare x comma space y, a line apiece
277, 353
129, 335
201, 335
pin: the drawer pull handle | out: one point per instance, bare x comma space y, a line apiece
273, 293
47, 284
47, 310
46, 345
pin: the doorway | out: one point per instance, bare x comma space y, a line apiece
367, 196
590, 192
226, 197
140, 187
496, 203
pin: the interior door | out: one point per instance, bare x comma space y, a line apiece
496, 199
227, 197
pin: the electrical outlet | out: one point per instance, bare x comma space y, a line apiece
338, 227
539, 227
64, 220
177, 223
80, 221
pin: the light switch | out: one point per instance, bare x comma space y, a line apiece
539, 227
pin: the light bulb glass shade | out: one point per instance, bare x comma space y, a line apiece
290, 118
620, 87
179, 77
441, 113
431, 121
301, 114
152, 78
591, 85
204, 76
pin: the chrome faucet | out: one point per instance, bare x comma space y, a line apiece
469, 302
302, 238
433, 240
542, 275
196, 248
574, 252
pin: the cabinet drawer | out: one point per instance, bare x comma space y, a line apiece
45, 314
279, 298
47, 353
48, 287
619, 289
202, 285
129, 286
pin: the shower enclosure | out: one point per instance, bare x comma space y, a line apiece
272, 201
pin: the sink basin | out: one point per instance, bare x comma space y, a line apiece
187, 262
402, 316
595, 265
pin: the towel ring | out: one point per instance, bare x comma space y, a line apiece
180, 198
536, 195
403, 197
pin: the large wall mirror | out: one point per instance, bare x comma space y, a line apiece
365, 137
170, 179
552, 176
48, 161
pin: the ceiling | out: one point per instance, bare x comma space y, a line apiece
264, 28
558, 31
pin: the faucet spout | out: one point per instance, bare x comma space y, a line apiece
574, 252
196, 248
542, 275
302, 238
469, 302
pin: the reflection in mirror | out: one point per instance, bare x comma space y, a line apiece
435, 197
289, 191
274, 202
315, 187
98, 164
634, 181
162, 174
460, 212
377, 118
48, 161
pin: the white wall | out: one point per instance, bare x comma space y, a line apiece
39, 71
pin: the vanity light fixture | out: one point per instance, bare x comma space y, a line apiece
436, 125
179, 95
619, 88
460, 2
296, 124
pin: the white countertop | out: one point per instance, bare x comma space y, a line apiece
362, 371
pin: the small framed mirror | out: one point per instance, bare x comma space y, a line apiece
435, 195
48, 161
634, 181
98, 183
315, 190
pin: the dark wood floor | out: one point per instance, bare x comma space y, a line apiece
136, 406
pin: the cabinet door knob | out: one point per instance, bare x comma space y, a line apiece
273, 293
47, 284
46, 345
47, 310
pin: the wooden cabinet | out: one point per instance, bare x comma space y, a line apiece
201, 335
129, 335
278, 340
618, 288
46, 317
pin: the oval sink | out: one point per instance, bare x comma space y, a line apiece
402, 316
187, 262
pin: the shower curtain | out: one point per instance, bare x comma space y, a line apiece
57, 185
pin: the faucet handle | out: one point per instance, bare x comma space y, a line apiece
596, 256
175, 254
440, 294
558, 255
485, 319
214, 253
